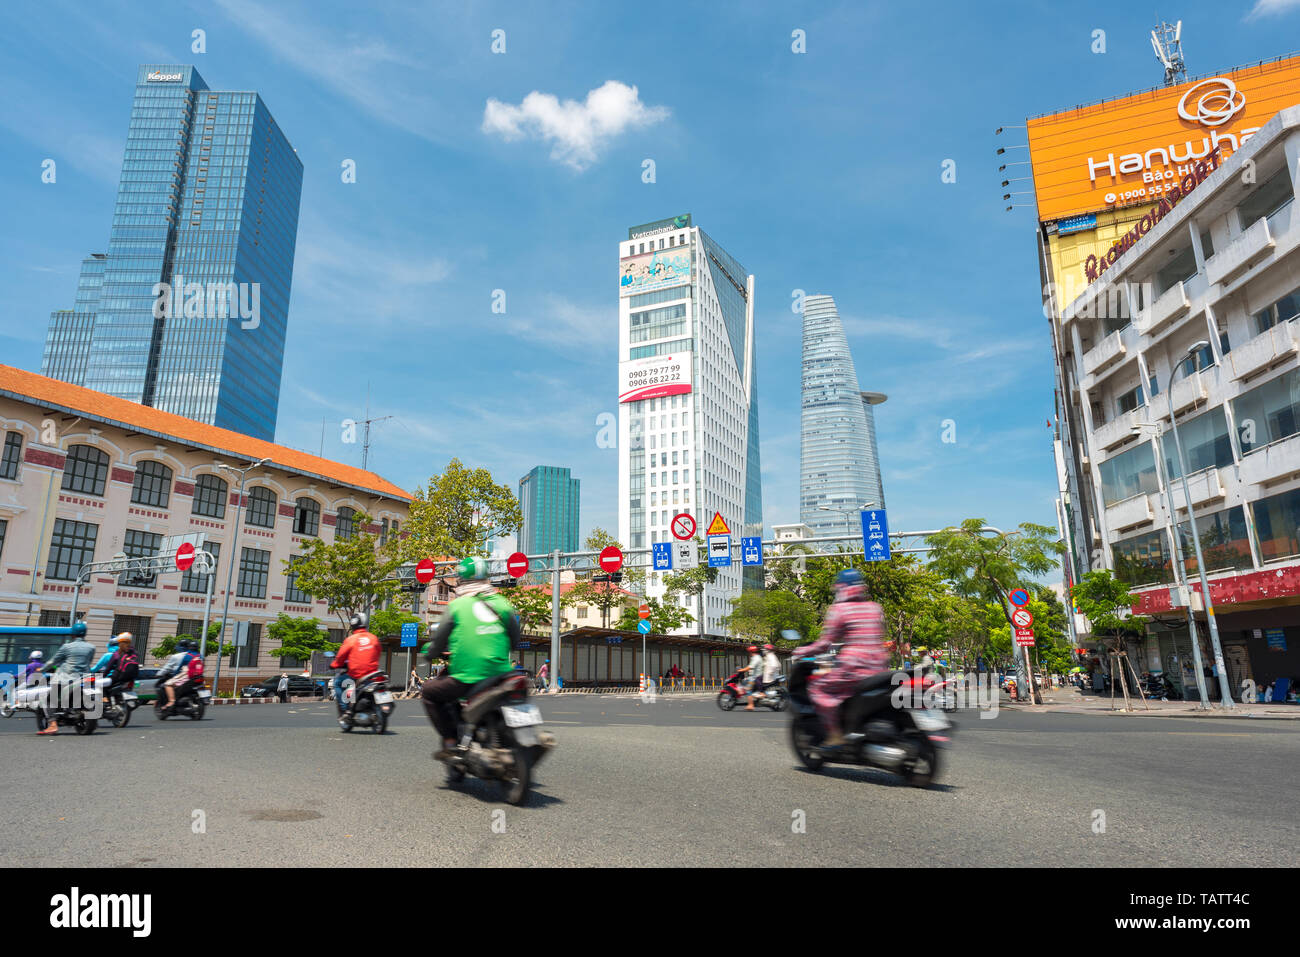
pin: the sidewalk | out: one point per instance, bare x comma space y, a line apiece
1071, 701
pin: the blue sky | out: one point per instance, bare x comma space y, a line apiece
819, 171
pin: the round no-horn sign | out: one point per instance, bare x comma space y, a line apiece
1022, 618
517, 565
424, 571
185, 556
611, 559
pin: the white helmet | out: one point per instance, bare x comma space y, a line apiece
36, 655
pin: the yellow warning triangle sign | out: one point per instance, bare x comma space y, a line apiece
718, 526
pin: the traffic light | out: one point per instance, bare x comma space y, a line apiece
614, 577
504, 582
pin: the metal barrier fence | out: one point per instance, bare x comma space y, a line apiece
675, 686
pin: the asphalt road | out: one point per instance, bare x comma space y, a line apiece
674, 782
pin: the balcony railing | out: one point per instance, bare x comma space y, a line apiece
1129, 513
1189, 391
1239, 254
1172, 304
1205, 486
1273, 463
1111, 434
1269, 348
1111, 350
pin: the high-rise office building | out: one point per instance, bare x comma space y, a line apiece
688, 398
839, 465
549, 498
187, 310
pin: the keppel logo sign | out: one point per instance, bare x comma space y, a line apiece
158, 76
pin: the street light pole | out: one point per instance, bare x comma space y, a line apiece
1225, 693
1180, 568
230, 569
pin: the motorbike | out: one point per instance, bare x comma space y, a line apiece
81, 710
904, 740
774, 696
366, 703
118, 707
1159, 687
500, 736
191, 700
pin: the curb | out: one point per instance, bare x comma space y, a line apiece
1160, 713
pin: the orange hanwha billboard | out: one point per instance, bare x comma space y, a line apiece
1132, 150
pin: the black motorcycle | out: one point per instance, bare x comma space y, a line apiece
500, 736
885, 721
366, 703
191, 701
1159, 687
118, 706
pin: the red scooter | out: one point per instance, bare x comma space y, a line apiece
775, 696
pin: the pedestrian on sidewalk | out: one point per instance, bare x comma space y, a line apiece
543, 675
282, 689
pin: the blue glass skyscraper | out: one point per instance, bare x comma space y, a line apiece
839, 467
187, 311
549, 498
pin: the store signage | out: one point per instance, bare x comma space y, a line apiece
659, 226
1095, 265
1075, 224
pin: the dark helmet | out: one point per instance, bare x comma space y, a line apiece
187, 644
359, 620
849, 576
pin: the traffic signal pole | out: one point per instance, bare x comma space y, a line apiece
555, 621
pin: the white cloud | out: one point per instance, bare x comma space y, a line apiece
1270, 8
577, 131
564, 323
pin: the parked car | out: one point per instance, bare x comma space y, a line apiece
146, 684
298, 686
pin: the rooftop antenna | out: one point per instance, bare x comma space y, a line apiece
1167, 41
365, 445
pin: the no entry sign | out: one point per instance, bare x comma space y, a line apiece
644, 611
185, 557
517, 565
611, 559
424, 571
683, 526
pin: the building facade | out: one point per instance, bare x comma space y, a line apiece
1187, 306
187, 310
839, 464
688, 398
86, 476
549, 498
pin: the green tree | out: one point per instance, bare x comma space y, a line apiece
988, 567
762, 616
606, 597
388, 622
458, 513
664, 617
351, 574
1108, 605
533, 603
298, 637
633, 575
166, 646
690, 581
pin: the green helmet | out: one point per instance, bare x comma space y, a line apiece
472, 569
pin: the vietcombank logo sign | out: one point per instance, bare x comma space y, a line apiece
1136, 149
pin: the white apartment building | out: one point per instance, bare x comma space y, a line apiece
688, 399
1221, 267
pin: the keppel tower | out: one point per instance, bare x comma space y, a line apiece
549, 498
187, 310
839, 466
688, 400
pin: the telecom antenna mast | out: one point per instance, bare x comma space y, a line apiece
365, 445
1167, 41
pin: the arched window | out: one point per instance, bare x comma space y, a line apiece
85, 470
306, 517
210, 496
152, 485
261, 507
346, 526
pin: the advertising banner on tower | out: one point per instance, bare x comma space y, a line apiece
655, 377
1133, 149
657, 270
